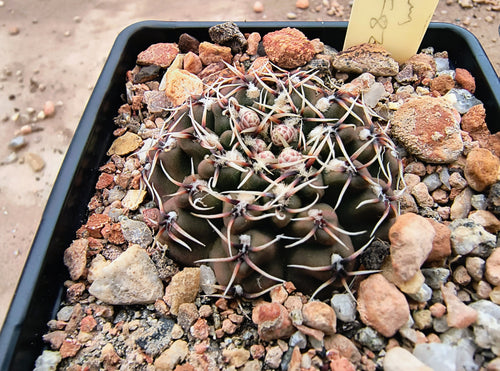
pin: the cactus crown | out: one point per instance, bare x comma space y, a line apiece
273, 175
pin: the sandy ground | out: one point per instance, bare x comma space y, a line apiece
54, 50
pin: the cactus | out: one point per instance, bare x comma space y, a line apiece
271, 176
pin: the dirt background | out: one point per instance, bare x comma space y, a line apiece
54, 50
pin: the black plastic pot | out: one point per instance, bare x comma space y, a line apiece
40, 288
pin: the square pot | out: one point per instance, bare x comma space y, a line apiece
40, 289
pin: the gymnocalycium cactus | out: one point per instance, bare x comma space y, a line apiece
271, 176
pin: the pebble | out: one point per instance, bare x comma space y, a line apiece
494, 198
492, 271
432, 181
291, 15
437, 310
428, 128
423, 65
487, 326
440, 324
423, 319
134, 198
272, 320
130, 279
370, 338
381, 305
423, 295
207, 280
258, 7
320, 316
302, 4
421, 194
49, 108
160, 54
435, 277
461, 276
411, 287
465, 80
288, 48
200, 329
457, 181
344, 306
411, 239
17, 143
486, 219
172, 356
187, 315
459, 315
479, 201
437, 356
441, 244
235, 357
156, 337
192, 63
483, 289
183, 288
475, 267
344, 346
35, 161
125, 144
298, 339
370, 58
397, 356
469, 237
442, 84
495, 295
212, 53
462, 100
75, 258
228, 34
273, 357
136, 232
181, 84
253, 41
47, 361
481, 169
188, 43
14, 30
461, 205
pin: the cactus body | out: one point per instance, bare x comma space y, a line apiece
276, 177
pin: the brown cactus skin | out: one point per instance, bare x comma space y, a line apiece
250, 280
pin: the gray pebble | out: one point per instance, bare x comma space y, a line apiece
479, 202
469, 237
440, 324
370, 338
432, 181
64, 313
423, 295
207, 280
344, 306
435, 277
298, 339
116, 194
444, 177
137, 232
487, 326
17, 143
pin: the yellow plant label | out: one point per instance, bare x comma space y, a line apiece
398, 25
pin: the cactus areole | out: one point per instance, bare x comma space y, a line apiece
273, 175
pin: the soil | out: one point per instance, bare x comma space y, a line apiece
54, 50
